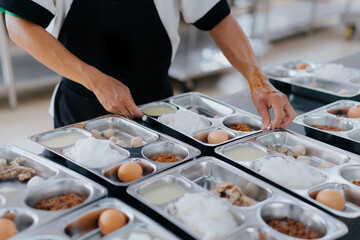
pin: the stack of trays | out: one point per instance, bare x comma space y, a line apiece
328, 167
82, 224
334, 115
205, 215
206, 115
153, 143
304, 81
18, 200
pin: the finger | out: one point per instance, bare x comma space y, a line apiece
279, 114
134, 110
130, 115
124, 112
290, 115
264, 113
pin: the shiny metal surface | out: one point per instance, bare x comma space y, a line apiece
253, 123
165, 148
57, 187
302, 82
279, 210
204, 173
203, 105
342, 124
252, 233
351, 136
320, 154
278, 72
333, 88
126, 130
57, 180
54, 134
350, 173
350, 193
317, 153
137, 222
158, 104
213, 113
202, 135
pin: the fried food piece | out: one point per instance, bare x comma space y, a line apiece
232, 193
15, 169
243, 127
65, 201
164, 158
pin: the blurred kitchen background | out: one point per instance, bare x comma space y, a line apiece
279, 30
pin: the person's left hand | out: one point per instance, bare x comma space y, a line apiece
266, 96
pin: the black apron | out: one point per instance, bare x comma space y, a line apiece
124, 39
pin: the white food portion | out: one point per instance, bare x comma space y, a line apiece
206, 216
184, 122
94, 153
336, 73
34, 181
3, 162
136, 142
5, 190
304, 159
288, 172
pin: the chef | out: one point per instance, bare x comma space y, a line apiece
115, 54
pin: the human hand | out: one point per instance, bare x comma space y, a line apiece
266, 96
116, 98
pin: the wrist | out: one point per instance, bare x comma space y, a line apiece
257, 79
92, 77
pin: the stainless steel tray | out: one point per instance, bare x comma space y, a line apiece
20, 200
215, 114
304, 82
344, 165
137, 222
201, 176
320, 116
153, 143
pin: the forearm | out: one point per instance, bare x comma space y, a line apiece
49, 51
237, 49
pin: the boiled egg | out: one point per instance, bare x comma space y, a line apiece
217, 136
201, 136
331, 198
111, 220
7, 228
129, 172
354, 112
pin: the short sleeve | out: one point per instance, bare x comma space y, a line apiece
40, 12
204, 14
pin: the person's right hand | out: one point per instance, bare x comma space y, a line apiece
116, 98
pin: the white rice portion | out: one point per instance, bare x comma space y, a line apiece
288, 172
94, 153
336, 73
206, 216
184, 122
